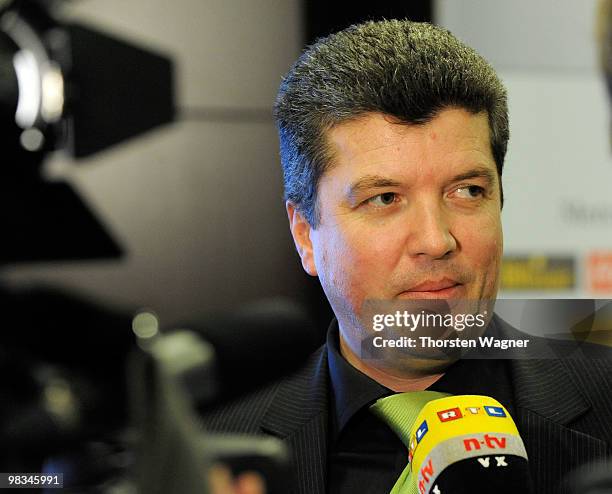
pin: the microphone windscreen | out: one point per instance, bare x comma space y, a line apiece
468, 443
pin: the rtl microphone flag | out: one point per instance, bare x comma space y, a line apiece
468, 443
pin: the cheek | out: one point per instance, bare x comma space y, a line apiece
337, 259
378, 257
356, 264
482, 243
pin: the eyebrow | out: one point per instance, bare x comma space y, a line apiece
368, 182
479, 172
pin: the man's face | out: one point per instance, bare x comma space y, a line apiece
407, 212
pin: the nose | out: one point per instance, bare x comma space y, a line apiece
430, 234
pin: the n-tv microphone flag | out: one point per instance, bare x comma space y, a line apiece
467, 444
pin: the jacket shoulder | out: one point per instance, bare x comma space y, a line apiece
245, 413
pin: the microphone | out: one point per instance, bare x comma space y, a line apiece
175, 379
467, 444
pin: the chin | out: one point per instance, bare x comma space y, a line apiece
421, 365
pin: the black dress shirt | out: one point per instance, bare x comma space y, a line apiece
365, 455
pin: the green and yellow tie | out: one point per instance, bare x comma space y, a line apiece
399, 412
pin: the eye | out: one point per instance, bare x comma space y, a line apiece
470, 191
384, 199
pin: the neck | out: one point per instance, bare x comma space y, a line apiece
397, 381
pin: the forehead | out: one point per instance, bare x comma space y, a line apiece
377, 143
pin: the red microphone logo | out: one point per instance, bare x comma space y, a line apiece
450, 414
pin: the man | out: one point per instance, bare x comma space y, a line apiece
393, 136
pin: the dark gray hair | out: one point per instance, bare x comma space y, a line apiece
407, 70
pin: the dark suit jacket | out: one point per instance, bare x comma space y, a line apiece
563, 410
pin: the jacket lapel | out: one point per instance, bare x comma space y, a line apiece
298, 415
547, 403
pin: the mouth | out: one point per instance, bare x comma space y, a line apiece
433, 289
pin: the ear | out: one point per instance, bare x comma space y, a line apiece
300, 230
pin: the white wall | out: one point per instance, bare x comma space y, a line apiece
534, 35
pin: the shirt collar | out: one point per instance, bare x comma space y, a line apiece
353, 390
